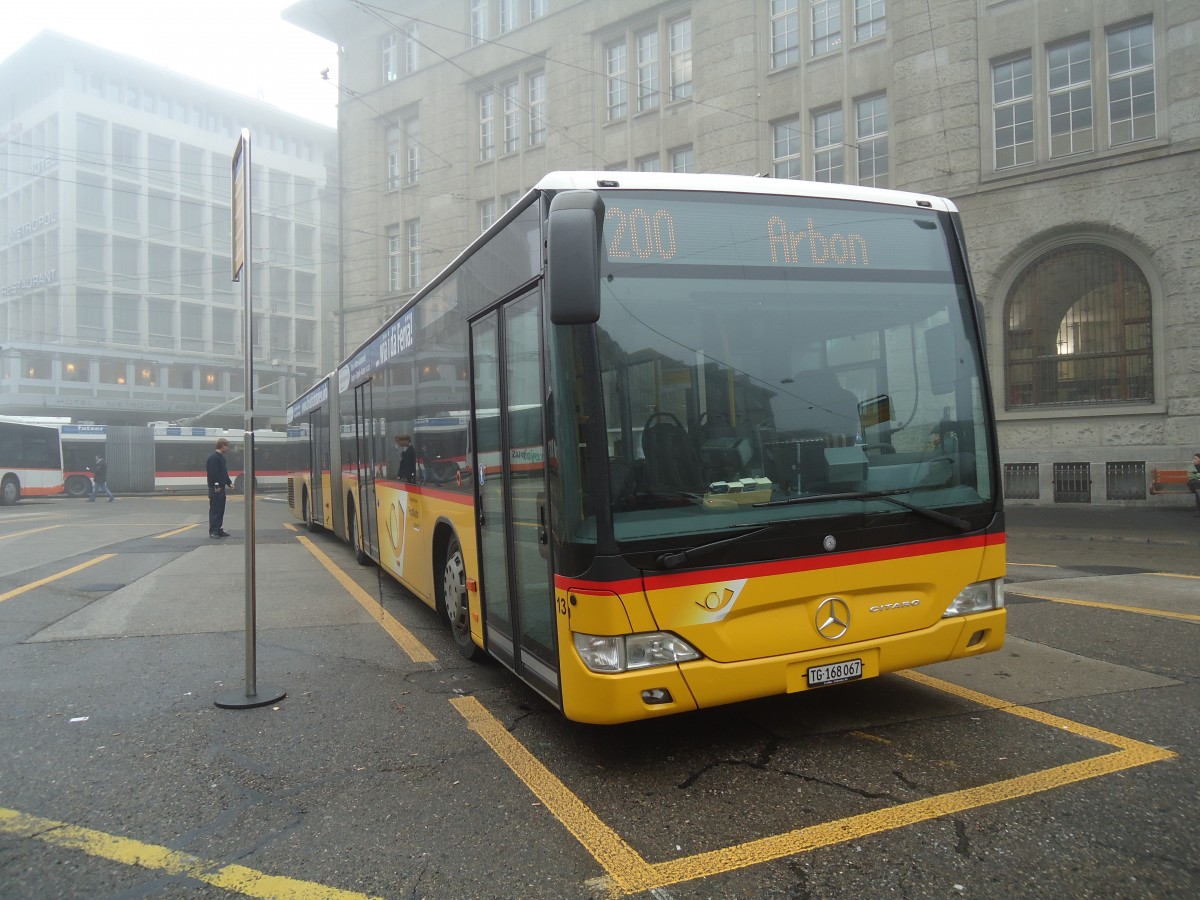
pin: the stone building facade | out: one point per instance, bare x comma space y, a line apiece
117, 304
1067, 132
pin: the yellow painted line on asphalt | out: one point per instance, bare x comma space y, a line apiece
408, 642
1172, 575
130, 852
1097, 604
4, 537
623, 864
627, 872
159, 537
289, 526
1034, 565
71, 571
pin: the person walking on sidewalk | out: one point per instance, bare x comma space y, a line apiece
100, 480
1193, 481
218, 482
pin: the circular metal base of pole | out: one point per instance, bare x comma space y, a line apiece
241, 700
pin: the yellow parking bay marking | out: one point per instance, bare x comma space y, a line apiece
289, 526
1033, 565
129, 852
71, 571
1096, 604
622, 863
159, 537
1172, 575
408, 642
4, 537
627, 872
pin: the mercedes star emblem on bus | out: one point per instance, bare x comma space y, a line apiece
833, 618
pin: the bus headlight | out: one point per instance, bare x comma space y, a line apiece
622, 653
977, 597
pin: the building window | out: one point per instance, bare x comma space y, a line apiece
412, 47
828, 147
537, 108
127, 201
395, 259
871, 117
787, 150
412, 229
412, 133
487, 125
192, 269
508, 15
683, 159
487, 214
826, 18
680, 50
89, 199
89, 313
648, 164
479, 22
393, 158
869, 19
304, 337
127, 323
89, 138
161, 322
1012, 111
1069, 77
125, 148
1079, 331
785, 33
1131, 114
615, 73
389, 58
512, 116
646, 44
537, 9
223, 330
191, 326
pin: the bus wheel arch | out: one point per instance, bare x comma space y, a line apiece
10, 490
453, 601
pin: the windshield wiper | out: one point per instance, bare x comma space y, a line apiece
677, 559
889, 496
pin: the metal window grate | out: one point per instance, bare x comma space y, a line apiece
1021, 481
1073, 482
1125, 480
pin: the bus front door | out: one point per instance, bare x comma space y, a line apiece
508, 462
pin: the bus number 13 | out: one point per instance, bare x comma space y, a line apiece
641, 233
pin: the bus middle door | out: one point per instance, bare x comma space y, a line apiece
508, 462
367, 456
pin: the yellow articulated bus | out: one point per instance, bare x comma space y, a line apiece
689, 440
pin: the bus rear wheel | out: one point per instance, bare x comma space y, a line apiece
10, 491
78, 486
360, 555
454, 601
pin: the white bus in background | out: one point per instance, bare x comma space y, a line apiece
180, 455
30, 460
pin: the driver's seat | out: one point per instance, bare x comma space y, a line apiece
672, 460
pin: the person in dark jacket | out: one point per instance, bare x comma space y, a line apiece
406, 469
218, 484
100, 479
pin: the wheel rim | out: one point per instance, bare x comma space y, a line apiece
10, 492
454, 594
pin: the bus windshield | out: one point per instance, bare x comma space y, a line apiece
756, 351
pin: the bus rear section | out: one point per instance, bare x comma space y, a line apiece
30, 460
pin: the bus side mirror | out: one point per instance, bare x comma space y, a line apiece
573, 232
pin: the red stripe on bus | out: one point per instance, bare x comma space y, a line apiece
786, 566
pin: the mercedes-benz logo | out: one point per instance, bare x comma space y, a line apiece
833, 618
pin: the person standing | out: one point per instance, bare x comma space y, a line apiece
100, 480
218, 483
1193, 481
406, 470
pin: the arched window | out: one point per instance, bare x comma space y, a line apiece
1078, 331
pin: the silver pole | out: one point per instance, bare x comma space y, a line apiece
252, 696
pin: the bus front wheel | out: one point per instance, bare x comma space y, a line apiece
10, 491
454, 601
